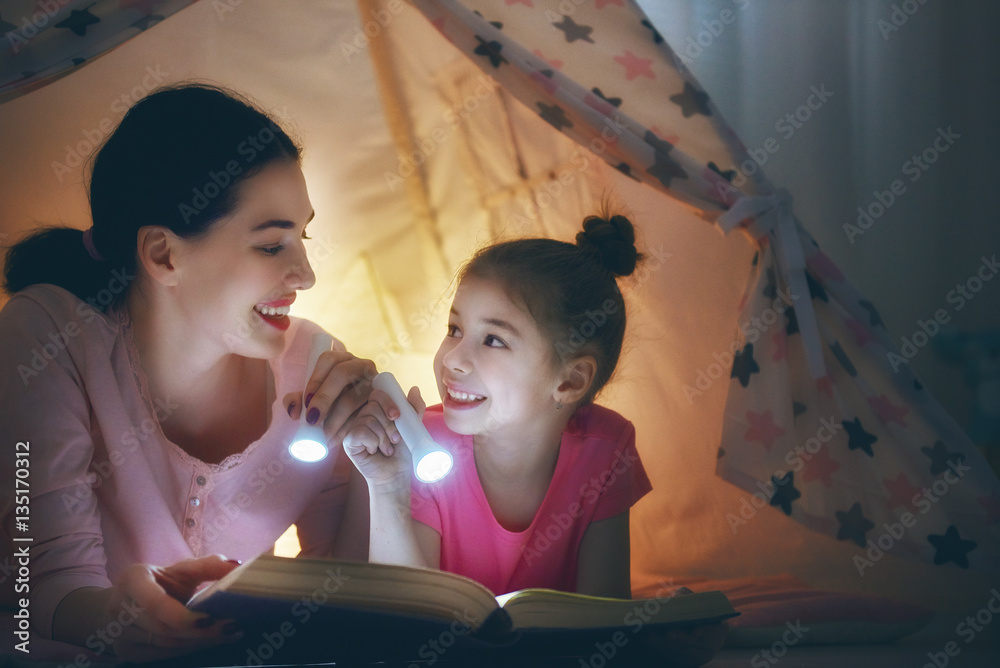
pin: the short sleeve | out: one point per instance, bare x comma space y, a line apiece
424, 506
626, 478
44, 404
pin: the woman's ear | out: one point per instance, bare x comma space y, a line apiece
578, 375
156, 247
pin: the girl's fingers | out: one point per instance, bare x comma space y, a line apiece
381, 407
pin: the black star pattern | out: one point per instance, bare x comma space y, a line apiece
491, 50
793, 322
574, 30
661, 145
555, 115
78, 21
692, 101
798, 409
874, 319
941, 459
626, 169
857, 437
815, 289
664, 169
6, 27
853, 525
951, 547
784, 492
728, 175
613, 101
657, 37
147, 22
771, 289
744, 365
547, 73
497, 25
844, 360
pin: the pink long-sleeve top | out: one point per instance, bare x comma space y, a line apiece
107, 489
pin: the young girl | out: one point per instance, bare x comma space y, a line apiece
543, 478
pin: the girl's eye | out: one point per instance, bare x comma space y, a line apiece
494, 342
271, 250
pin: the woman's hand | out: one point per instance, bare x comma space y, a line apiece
374, 445
339, 386
143, 617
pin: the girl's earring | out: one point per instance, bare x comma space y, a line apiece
558, 406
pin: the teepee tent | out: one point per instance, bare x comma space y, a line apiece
779, 429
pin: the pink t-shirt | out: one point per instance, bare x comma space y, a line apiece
107, 488
598, 475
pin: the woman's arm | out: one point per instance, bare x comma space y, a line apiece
603, 567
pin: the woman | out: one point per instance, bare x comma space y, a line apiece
147, 366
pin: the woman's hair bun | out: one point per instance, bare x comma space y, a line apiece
612, 240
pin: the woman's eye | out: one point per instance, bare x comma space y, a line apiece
494, 342
305, 236
271, 250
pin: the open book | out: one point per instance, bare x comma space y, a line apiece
362, 605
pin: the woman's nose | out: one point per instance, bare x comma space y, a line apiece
300, 274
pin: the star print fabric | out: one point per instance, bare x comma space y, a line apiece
819, 422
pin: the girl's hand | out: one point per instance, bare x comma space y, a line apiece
339, 386
143, 616
374, 445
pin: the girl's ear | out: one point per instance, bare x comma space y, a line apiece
578, 375
156, 247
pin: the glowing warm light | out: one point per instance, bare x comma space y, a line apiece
309, 443
431, 462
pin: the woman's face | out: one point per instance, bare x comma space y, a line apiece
237, 282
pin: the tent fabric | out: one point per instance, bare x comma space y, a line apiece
410, 175
888, 440
47, 39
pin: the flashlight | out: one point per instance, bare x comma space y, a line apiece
431, 462
309, 444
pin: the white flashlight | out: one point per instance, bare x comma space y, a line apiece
431, 462
309, 443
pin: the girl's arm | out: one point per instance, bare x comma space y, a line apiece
603, 567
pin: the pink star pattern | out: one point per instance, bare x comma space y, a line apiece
820, 467
545, 82
901, 491
887, 411
635, 66
780, 347
762, 428
555, 62
992, 506
861, 333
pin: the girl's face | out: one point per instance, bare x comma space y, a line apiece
495, 368
237, 282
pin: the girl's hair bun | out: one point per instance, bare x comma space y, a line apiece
612, 240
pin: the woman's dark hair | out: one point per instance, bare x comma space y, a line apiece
176, 160
570, 290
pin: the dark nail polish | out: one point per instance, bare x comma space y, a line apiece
312, 416
308, 399
231, 628
203, 622
291, 406
238, 562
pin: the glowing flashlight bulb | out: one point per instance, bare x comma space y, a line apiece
309, 443
431, 462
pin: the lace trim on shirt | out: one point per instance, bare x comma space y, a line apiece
139, 377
